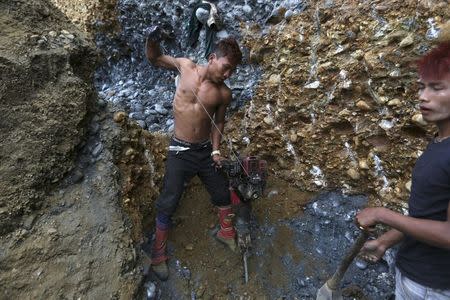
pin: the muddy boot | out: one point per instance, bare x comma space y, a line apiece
159, 254
227, 234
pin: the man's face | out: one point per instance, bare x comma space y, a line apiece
434, 96
221, 68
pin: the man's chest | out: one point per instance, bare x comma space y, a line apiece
430, 183
194, 92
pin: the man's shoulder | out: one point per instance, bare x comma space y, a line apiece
225, 91
224, 88
186, 63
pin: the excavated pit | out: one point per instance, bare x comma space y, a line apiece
325, 96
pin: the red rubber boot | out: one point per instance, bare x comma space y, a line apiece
159, 254
227, 233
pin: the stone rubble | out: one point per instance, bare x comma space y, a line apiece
340, 74
128, 81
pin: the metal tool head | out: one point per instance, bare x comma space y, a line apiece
326, 293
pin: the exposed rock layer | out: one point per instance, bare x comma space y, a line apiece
337, 107
45, 99
90, 15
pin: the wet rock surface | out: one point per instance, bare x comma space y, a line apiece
140, 159
324, 235
127, 79
311, 81
327, 98
336, 105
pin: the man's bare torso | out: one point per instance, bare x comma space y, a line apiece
193, 96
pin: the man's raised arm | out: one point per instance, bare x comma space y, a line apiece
154, 54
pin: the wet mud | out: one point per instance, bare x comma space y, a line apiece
298, 240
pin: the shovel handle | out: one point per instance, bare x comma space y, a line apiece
333, 282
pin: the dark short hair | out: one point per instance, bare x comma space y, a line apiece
436, 63
228, 47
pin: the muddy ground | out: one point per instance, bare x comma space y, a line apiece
298, 240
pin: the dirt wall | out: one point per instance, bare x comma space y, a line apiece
63, 233
337, 107
90, 15
45, 97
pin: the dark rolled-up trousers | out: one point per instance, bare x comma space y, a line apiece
182, 166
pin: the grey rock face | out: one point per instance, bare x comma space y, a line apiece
131, 83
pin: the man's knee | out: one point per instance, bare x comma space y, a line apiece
167, 204
221, 197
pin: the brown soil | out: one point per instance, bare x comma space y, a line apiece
63, 234
216, 271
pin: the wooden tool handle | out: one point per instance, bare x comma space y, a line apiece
334, 281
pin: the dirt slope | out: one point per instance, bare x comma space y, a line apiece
45, 99
62, 230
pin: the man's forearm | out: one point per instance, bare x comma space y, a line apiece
436, 233
152, 51
391, 238
216, 135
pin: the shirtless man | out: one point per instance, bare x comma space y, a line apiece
201, 94
423, 259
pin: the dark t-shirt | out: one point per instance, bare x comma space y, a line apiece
429, 199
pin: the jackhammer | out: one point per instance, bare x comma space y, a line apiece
247, 177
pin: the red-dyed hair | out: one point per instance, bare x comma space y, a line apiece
435, 65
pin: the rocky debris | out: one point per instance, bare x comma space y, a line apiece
90, 15
323, 235
295, 249
336, 105
128, 81
54, 40
329, 80
150, 291
140, 160
334, 108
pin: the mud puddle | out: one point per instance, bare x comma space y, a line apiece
298, 240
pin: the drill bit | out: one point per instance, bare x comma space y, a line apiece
245, 266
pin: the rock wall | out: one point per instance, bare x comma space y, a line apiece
63, 233
336, 109
45, 97
90, 15
337, 105
141, 161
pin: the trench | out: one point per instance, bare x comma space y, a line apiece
298, 238
324, 95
